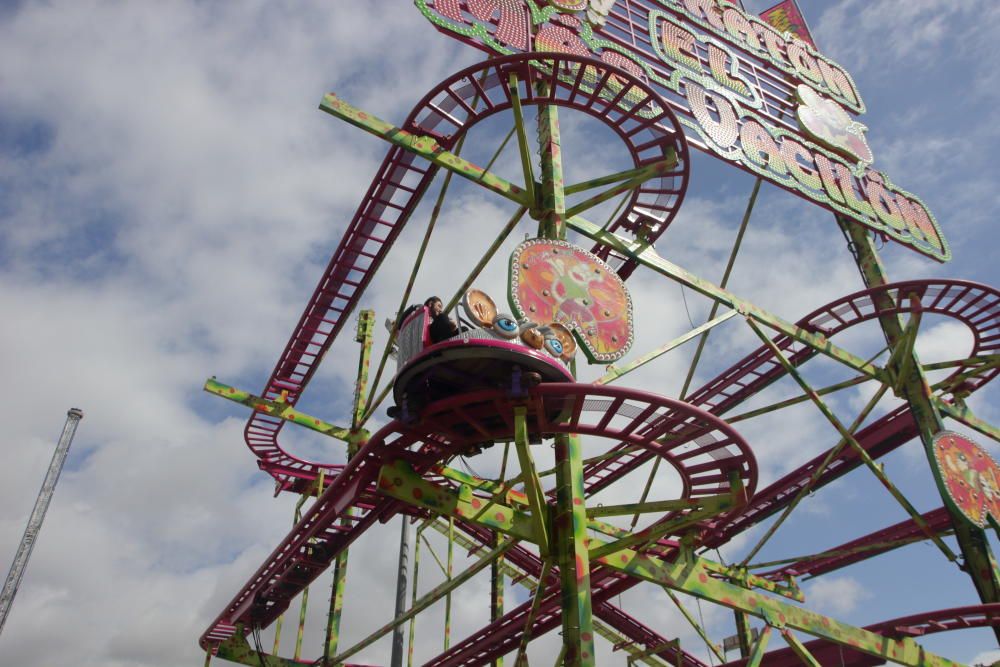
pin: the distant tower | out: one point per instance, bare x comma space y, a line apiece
17, 568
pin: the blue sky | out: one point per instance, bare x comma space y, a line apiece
169, 195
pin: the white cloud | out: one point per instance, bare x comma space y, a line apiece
837, 596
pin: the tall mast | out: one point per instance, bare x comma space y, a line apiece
20, 563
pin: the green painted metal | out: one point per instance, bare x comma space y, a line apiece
238, 649
642, 175
614, 374
749, 414
961, 412
708, 507
411, 640
487, 256
805, 490
532, 484
954, 384
302, 624
980, 563
522, 657
712, 646
715, 503
891, 544
522, 578
496, 589
522, 139
725, 281
741, 576
648, 257
743, 633
423, 146
363, 335
552, 206
400, 481
674, 644
846, 435
570, 529
689, 575
757, 654
277, 409
800, 650
448, 577
427, 600
277, 634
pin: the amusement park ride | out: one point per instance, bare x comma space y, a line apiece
663, 76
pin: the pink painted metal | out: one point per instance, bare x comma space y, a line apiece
704, 453
447, 113
943, 620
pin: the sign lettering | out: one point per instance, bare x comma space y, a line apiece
742, 91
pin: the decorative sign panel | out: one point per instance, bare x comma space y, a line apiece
731, 78
555, 281
970, 476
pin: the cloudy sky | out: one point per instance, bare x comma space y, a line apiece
169, 195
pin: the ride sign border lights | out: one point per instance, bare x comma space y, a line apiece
734, 82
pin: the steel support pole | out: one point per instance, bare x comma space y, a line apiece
570, 515
356, 439
979, 563
30, 536
400, 609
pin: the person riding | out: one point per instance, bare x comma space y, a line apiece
442, 327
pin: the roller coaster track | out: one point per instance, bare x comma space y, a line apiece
706, 454
445, 115
826, 653
882, 436
627, 105
977, 306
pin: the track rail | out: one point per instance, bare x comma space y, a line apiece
958, 618
705, 455
627, 105
977, 306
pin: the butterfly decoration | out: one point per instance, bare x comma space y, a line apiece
826, 122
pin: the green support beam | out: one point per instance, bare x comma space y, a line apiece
277, 409
425, 147
927, 409
691, 576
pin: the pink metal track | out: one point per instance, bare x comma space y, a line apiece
704, 453
627, 105
894, 536
977, 306
644, 420
826, 653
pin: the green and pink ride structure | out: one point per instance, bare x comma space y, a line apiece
651, 73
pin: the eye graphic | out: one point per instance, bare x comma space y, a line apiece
505, 326
554, 347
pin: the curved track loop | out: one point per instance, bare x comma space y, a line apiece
702, 448
826, 653
977, 306
704, 456
626, 104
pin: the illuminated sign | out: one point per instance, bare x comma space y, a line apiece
744, 92
786, 17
